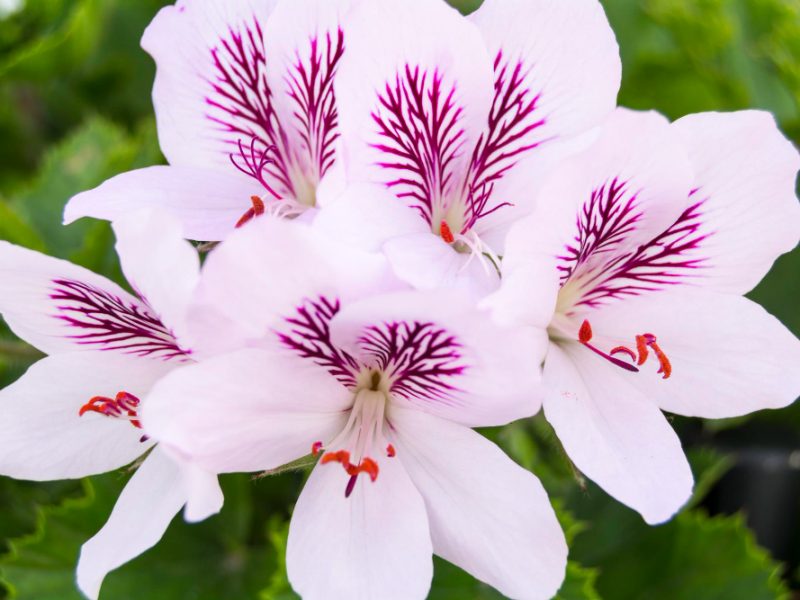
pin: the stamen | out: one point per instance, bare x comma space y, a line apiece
316, 448
367, 465
585, 336
446, 232
124, 405
644, 343
390, 451
257, 210
665, 366
641, 348
471, 242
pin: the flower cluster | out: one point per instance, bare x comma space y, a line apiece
423, 223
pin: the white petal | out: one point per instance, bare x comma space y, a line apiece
489, 516
203, 493
465, 369
207, 203
529, 287
282, 264
729, 356
42, 436
368, 216
745, 172
142, 514
614, 434
374, 544
246, 411
148, 238
426, 262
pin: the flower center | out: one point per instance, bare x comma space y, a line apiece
123, 406
644, 343
255, 160
362, 435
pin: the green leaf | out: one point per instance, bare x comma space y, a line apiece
693, 557
212, 560
15, 229
85, 159
579, 584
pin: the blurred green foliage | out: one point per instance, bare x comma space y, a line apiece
75, 109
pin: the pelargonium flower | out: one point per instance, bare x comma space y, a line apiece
649, 240
460, 118
75, 413
246, 114
383, 388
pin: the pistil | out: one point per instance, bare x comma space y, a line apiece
363, 433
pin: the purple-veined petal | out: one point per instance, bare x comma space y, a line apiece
144, 510
445, 357
305, 41
748, 213
557, 72
44, 437
411, 112
489, 516
615, 434
207, 203
728, 356
211, 90
600, 213
251, 410
373, 544
60, 307
251, 89
159, 264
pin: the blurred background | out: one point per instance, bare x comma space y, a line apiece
75, 109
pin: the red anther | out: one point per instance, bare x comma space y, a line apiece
665, 366
258, 209
340, 456
641, 348
585, 332
367, 465
123, 404
390, 451
446, 233
370, 467
316, 448
624, 350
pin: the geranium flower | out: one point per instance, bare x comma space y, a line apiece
383, 389
460, 117
246, 113
76, 412
649, 240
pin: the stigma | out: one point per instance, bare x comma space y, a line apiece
644, 344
